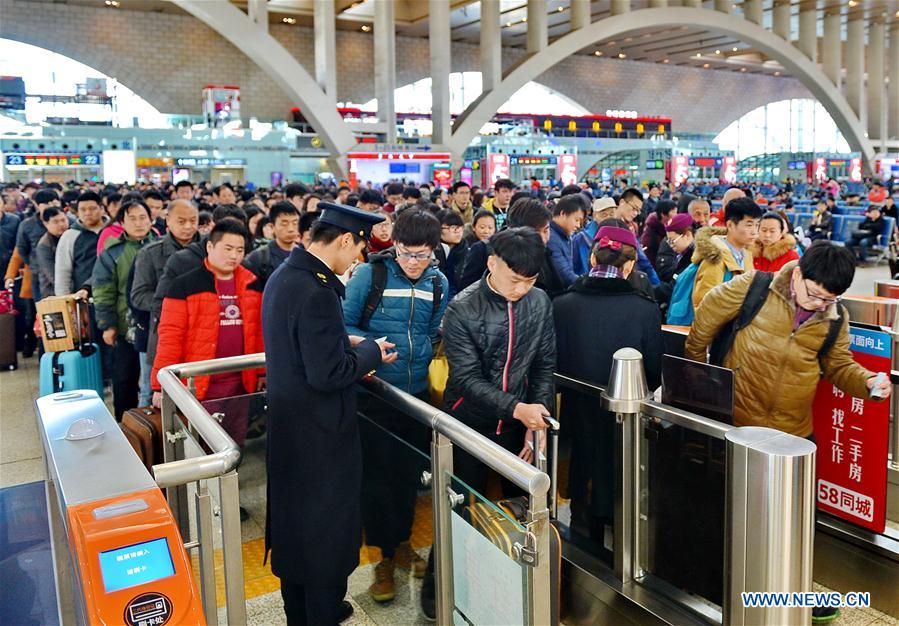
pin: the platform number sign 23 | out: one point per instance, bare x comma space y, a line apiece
852, 439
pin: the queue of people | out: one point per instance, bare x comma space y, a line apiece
336, 284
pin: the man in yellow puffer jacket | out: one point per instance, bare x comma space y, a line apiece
775, 358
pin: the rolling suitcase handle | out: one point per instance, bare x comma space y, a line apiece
86, 348
540, 461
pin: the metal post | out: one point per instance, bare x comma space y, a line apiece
624, 396
205, 554
232, 549
769, 523
173, 450
442, 468
539, 587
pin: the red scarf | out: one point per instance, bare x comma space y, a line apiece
376, 245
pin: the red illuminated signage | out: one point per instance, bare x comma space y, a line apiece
852, 435
401, 156
497, 167
729, 170
567, 169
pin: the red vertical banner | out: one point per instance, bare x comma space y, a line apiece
729, 170
497, 167
567, 169
354, 168
855, 170
819, 174
852, 437
680, 170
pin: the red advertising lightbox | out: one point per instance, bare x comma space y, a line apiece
852, 437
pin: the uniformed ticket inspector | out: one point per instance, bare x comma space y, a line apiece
313, 525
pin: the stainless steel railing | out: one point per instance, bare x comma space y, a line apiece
177, 472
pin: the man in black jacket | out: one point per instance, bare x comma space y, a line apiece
525, 212
286, 221
501, 347
500, 343
868, 232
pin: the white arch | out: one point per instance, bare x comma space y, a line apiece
481, 110
268, 53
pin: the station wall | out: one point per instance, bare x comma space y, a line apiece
167, 59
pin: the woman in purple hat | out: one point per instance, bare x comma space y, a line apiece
599, 314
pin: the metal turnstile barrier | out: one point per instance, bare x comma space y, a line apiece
767, 502
118, 553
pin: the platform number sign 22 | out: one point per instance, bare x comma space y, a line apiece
851, 435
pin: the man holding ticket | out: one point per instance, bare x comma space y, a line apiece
398, 296
790, 330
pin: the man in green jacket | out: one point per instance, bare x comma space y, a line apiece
110, 290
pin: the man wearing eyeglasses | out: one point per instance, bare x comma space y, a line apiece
799, 332
630, 205
399, 294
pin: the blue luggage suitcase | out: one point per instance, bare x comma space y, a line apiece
70, 370
73, 369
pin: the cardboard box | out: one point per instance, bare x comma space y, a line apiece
60, 329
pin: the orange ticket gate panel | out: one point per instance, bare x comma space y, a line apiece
126, 561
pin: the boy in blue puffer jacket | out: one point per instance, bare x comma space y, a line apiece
402, 295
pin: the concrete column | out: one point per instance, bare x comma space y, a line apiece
893, 113
781, 21
876, 77
808, 32
855, 63
832, 50
725, 6
258, 12
693, 4
440, 42
491, 45
753, 10
658, 4
385, 64
538, 35
621, 6
580, 13
325, 31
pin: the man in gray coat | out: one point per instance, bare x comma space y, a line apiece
181, 227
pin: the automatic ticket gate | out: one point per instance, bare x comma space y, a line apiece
120, 557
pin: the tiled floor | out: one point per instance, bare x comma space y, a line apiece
21, 461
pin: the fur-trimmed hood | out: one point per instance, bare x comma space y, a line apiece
775, 250
710, 245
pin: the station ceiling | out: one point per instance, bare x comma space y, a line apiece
677, 45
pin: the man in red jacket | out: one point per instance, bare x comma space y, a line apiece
211, 312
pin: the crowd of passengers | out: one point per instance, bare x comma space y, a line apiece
510, 283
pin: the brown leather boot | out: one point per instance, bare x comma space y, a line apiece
407, 558
382, 590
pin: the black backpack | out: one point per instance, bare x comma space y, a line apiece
376, 292
752, 304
